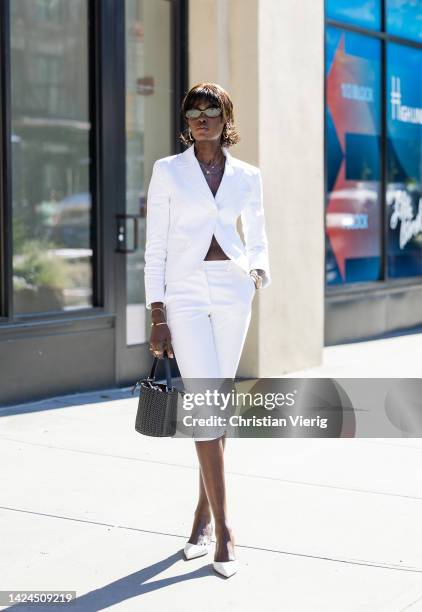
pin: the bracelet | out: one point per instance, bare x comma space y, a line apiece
157, 308
162, 323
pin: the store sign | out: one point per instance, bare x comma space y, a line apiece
347, 221
399, 111
353, 91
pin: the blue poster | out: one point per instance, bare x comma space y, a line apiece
365, 13
404, 18
353, 129
404, 159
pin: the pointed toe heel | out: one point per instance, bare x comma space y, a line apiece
226, 568
191, 551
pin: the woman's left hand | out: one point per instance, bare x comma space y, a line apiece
260, 273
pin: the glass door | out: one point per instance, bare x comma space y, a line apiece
149, 135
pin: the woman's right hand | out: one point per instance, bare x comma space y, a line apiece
160, 340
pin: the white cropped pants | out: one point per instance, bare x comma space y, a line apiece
208, 314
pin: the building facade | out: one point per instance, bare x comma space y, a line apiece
373, 135
328, 104
88, 99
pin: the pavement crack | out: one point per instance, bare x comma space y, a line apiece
361, 562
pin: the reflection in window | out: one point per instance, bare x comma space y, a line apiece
148, 131
47, 10
404, 18
404, 160
365, 13
353, 123
52, 256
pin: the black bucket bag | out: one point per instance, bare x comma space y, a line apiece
157, 407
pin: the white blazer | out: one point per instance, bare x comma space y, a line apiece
182, 216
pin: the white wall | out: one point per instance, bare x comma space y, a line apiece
269, 55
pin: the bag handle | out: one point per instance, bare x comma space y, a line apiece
166, 367
152, 373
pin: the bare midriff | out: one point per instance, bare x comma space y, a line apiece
215, 251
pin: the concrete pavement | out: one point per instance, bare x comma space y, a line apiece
88, 504
398, 356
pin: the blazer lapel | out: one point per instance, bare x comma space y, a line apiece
198, 181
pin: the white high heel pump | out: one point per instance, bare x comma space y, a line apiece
192, 551
226, 568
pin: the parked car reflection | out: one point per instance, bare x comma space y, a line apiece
71, 221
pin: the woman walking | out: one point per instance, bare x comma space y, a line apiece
200, 279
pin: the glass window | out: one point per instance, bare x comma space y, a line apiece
365, 13
404, 18
404, 160
149, 134
51, 214
353, 124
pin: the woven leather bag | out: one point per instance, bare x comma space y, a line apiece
157, 407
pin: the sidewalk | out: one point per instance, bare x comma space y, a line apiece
88, 504
395, 357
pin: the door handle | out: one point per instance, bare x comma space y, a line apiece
122, 233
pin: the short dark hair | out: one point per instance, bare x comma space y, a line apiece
217, 96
